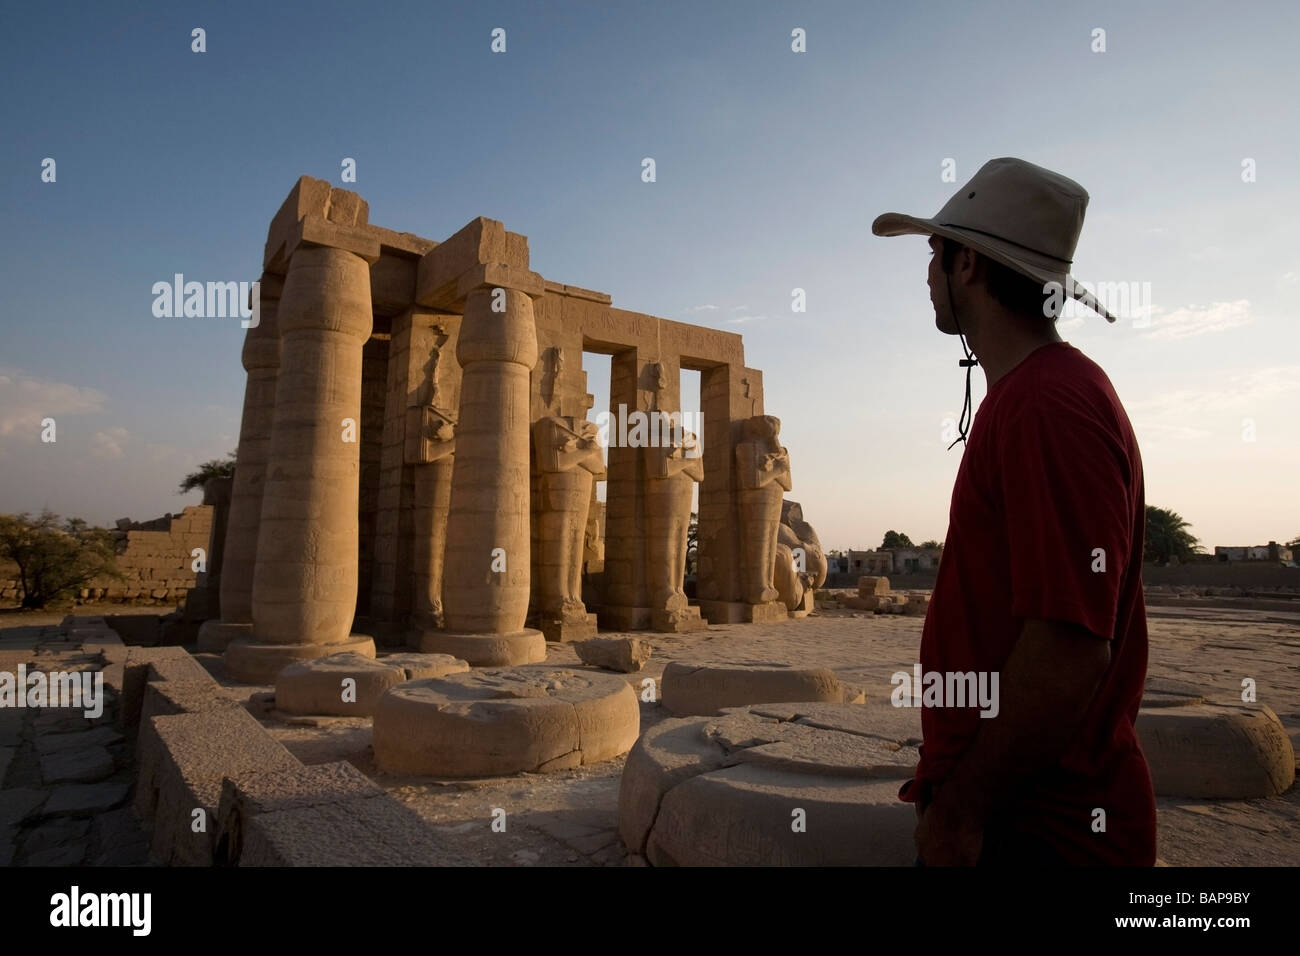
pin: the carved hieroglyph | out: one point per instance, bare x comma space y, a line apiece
763, 476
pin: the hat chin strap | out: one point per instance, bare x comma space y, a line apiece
968, 363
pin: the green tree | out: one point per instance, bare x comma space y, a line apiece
216, 468
894, 539
55, 559
932, 544
1168, 536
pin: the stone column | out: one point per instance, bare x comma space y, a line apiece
261, 358
305, 577
487, 564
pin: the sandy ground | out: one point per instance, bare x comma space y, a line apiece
570, 817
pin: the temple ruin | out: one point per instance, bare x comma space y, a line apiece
415, 455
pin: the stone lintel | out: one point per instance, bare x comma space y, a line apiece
316, 231
577, 292
312, 197
480, 242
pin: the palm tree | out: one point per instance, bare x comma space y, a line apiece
216, 468
1168, 536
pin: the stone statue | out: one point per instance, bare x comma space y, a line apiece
569, 461
672, 472
434, 452
763, 474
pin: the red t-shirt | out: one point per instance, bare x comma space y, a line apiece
1051, 473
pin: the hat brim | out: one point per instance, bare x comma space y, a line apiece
1027, 262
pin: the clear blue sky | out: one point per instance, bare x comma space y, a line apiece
770, 167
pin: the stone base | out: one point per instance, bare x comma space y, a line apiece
723, 791
488, 650
738, 612
620, 618
251, 662
805, 605
679, 621
1214, 751
563, 631
215, 636
497, 722
316, 686
705, 689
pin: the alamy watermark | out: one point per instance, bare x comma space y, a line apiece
653, 429
208, 300
946, 689
82, 690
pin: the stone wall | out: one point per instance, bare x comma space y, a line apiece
156, 564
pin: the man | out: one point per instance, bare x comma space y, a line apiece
1040, 580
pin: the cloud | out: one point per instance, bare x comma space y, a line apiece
25, 401
1289, 278
1168, 412
703, 308
742, 319
739, 308
1192, 321
108, 443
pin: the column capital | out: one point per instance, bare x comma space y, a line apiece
315, 230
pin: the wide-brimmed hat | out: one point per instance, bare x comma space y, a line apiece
1024, 216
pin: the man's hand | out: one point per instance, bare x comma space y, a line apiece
1046, 686
945, 836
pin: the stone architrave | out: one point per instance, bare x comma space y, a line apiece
434, 458
306, 578
672, 471
569, 462
261, 359
487, 566
763, 475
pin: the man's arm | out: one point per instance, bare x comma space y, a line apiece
1044, 691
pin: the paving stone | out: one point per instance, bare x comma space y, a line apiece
7, 835
6, 757
120, 828
54, 834
77, 766
17, 803
85, 798
72, 854
97, 737
11, 727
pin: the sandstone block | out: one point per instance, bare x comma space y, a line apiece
1214, 751
626, 654
708, 688
495, 722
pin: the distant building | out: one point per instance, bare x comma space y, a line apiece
893, 561
1259, 552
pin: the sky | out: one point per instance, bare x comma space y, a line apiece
770, 165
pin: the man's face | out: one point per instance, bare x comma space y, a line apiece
943, 319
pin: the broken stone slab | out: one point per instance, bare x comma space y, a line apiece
76, 799
87, 765
95, 737
748, 789
1216, 751
625, 654
494, 722
321, 686
705, 689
